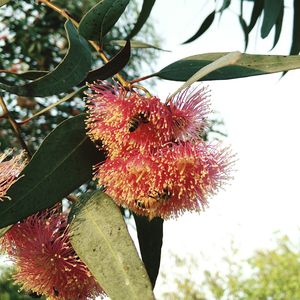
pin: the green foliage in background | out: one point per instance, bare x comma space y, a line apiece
269, 274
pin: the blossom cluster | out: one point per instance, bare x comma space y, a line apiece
45, 260
41, 250
9, 171
157, 163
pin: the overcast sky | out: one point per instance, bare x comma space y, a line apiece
261, 116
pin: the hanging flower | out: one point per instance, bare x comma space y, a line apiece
45, 261
128, 179
176, 178
189, 110
124, 120
189, 173
9, 171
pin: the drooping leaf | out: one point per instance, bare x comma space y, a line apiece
70, 72
143, 17
100, 237
278, 27
150, 236
116, 64
295, 48
204, 26
248, 65
3, 2
225, 5
62, 163
245, 30
136, 44
99, 20
271, 13
229, 59
256, 12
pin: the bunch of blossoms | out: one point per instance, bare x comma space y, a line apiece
40, 248
9, 171
157, 163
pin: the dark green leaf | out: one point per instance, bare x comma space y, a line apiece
295, 48
115, 65
245, 30
62, 163
248, 65
271, 13
204, 26
150, 235
3, 2
256, 12
143, 16
136, 44
99, 20
225, 5
278, 27
100, 237
70, 72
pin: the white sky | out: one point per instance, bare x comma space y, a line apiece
261, 119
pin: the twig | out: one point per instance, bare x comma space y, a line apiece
64, 99
15, 126
94, 44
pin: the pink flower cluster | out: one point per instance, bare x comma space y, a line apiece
157, 163
45, 260
9, 171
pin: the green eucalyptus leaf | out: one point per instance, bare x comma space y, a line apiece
295, 48
99, 20
100, 237
116, 64
256, 13
278, 27
143, 17
70, 72
204, 26
150, 236
136, 44
271, 13
62, 163
247, 65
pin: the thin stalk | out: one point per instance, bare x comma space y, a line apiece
15, 126
41, 112
94, 44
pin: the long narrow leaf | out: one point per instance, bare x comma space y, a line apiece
247, 65
100, 237
99, 20
150, 236
116, 64
62, 163
143, 17
204, 26
70, 72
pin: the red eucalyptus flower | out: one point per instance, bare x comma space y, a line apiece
45, 261
189, 110
9, 171
124, 120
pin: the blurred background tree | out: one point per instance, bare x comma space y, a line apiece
269, 274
